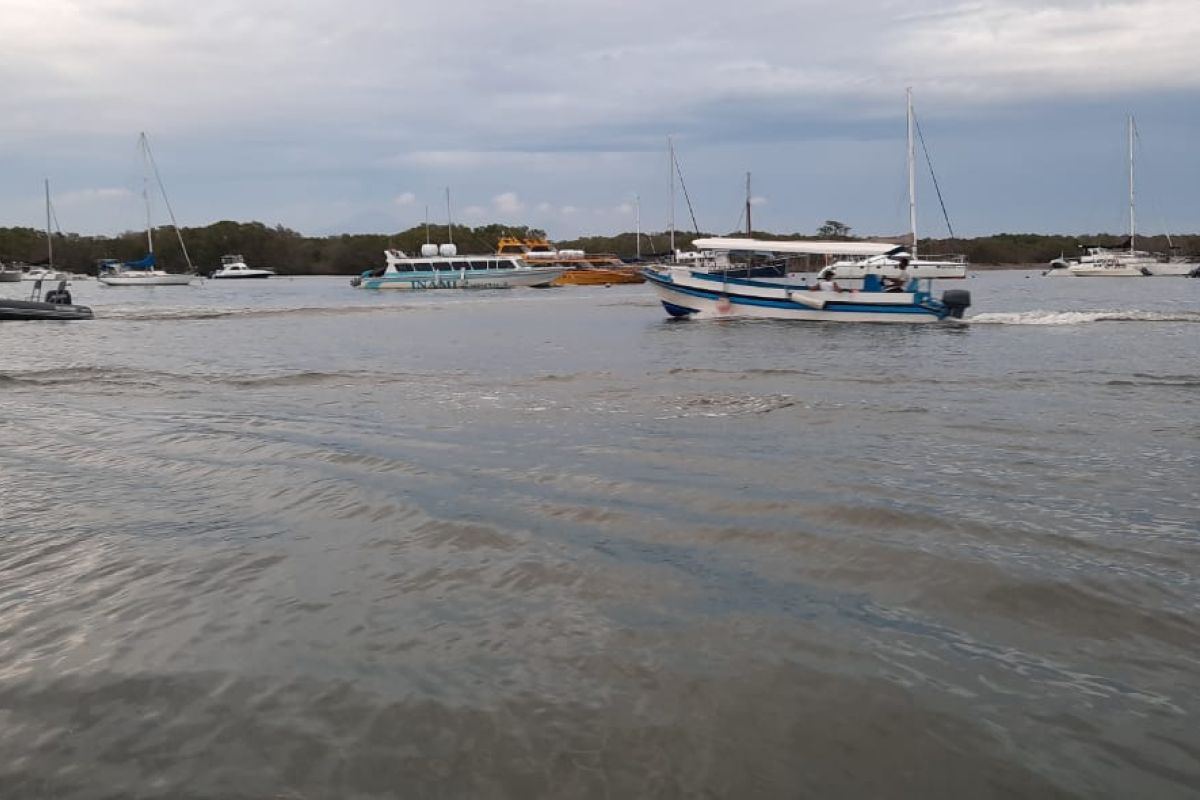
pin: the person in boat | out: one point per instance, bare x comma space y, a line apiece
825, 281
896, 283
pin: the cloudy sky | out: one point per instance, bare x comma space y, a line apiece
355, 115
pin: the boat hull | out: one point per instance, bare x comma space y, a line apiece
590, 276
31, 310
489, 279
165, 279
9, 276
247, 275
685, 293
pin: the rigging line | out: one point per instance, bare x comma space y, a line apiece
170, 212
936, 187
686, 197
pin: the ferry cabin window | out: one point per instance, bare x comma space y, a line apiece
441, 266
458, 265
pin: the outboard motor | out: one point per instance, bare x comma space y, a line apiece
59, 296
956, 302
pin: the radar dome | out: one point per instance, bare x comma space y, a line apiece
448, 250
429, 250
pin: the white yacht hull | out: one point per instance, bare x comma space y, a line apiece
849, 270
156, 279
1174, 269
245, 274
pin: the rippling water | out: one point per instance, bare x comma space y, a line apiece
294, 540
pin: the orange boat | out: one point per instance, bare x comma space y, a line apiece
580, 268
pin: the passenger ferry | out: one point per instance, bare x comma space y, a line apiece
441, 267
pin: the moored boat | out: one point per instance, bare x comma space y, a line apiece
234, 267
579, 267
443, 268
112, 272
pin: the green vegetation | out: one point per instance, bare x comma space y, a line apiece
290, 253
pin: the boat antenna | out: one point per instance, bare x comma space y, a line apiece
166, 201
937, 188
449, 220
49, 236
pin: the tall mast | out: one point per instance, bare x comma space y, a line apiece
749, 229
427, 223
912, 175
637, 222
1132, 220
449, 219
49, 235
671, 156
146, 191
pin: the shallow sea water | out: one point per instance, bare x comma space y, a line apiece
295, 540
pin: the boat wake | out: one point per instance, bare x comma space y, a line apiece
217, 313
1081, 317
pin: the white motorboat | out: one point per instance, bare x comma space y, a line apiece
443, 268
234, 266
44, 274
10, 274
888, 265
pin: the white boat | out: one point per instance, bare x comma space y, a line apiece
696, 290
10, 274
234, 267
145, 272
887, 265
443, 268
688, 292
1125, 261
47, 274
112, 272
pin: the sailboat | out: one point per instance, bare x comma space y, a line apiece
145, 272
889, 264
691, 291
46, 271
1126, 261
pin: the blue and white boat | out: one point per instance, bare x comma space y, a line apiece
686, 291
443, 268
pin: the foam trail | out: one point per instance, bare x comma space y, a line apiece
1042, 317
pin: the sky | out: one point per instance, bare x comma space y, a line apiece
356, 116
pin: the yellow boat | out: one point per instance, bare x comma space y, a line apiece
580, 268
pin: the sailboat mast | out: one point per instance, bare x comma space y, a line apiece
671, 156
1132, 219
637, 224
749, 229
49, 235
912, 175
427, 223
449, 219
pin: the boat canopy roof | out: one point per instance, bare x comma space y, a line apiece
799, 246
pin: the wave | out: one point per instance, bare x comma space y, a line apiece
128, 377
1042, 317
